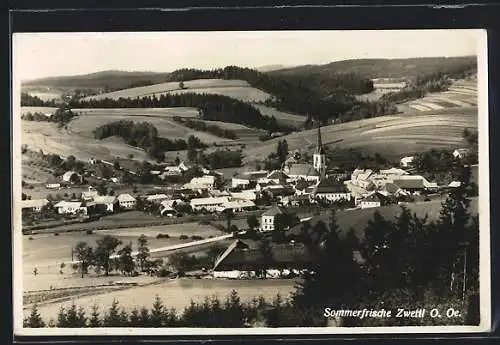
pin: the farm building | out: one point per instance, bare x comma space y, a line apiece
375, 199
126, 201
301, 171
268, 218
245, 195
53, 183
275, 176
72, 177
414, 184
406, 161
236, 205
210, 204
245, 260
276, 192
332, 190
157, 197
34, 205
70, 207
204, 182
107, 202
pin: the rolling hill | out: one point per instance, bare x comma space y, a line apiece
375, 68
98, 80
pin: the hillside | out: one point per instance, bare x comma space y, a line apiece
376, 68
98, 80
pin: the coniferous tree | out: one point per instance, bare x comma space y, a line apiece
94, 320
34, 320
112, 317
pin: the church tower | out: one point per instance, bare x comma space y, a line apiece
319, 158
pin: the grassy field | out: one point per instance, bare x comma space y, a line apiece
394, 135
282, 117
178, 294
47, 252
232, 88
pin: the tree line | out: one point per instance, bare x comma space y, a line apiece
61, 116
210, 107
204, 127
28, 100
145, 136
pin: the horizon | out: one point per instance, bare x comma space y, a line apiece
46, 55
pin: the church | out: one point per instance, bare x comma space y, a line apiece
314, 172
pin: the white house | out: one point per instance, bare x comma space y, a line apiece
157, 197
373, 200
70, 176
52, 184
268, 218
236, 205
239, 182
107, 200
89, 195
206, 181
209, 204
126, 201
245, 195
70, 207
332, 190
406, 161
34, 205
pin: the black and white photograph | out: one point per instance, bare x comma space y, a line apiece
250, 182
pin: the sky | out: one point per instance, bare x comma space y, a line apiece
38, 55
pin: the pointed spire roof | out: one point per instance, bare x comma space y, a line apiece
319, 144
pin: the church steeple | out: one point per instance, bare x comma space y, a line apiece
319, 158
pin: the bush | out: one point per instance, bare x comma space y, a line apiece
56, 233
204, 222
162, 272
30, 238
196, 238
183, 237
89, 232
162, 236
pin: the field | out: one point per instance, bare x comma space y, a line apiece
395, 135
47, 252
282, 117
238, 89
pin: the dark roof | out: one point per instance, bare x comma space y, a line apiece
302, 169
281, 191
303, 184
376, 197
277, 174
239, 257
273, 211
331, 185
391, 188
410, 183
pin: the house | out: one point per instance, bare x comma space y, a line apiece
268, 218
238, 181
108, 202
72, 177
52, 183
331, 190
126, 201
245, 195
168, 211
278, 191
301, 171
92, 161
70, 207
90, 194
296, 200
415, 184
204, 182
393, 171
34, 205
275, 176
157, 197
361, 178
304, 187
375, 199
236, 205
461, 153
407, 161
455, 184
210, 204
245, 260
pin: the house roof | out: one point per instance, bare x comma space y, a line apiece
416, 183
391, 188
375, 197
104, 199
34, 203
301, 169
125, 197
394, 171
273, 211
277, 174
65, 203
156, 197
254, 175
208, 201
238, 256
303, 184
330, 185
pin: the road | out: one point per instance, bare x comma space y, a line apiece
173, 247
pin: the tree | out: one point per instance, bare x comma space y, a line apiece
192, 152
94, 320
34, 320
177, 160
126, 261
142, 251
252, 222
106, 246
84, 254
112, 317
116, 165
157, 313
267, 258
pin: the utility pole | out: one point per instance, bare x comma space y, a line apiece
464, 285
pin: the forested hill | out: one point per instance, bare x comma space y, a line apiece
101, 80
390, 68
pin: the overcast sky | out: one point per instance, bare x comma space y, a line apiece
37, 55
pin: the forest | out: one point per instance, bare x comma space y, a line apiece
28, 100
61, 116
145, 136
204, 127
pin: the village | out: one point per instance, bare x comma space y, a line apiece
278, 201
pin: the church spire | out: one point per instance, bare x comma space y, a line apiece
319, 144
